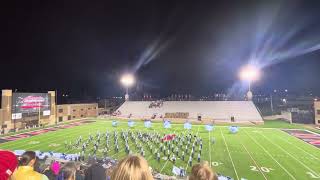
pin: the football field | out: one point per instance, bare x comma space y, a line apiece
253, 153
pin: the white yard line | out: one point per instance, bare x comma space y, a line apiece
210, 147
301, 139
259, 168
307, 167
283, 139
19, 145
164, 163
234, 168
292, 177
163, 166
37, 129
190, 155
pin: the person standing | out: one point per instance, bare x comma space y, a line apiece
8, 164
182, 156
190, 161
26, 170
133, 168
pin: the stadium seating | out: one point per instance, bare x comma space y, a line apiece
242, 111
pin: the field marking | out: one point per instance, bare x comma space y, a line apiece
190, 155
210, 146
39, 128
229, 154
311, 132
283, 139
39, 136
22, 142
163, 166
270, 156
167, 159
259, 167
300, 140
307, 167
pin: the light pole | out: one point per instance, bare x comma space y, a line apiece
249, 73
127, 81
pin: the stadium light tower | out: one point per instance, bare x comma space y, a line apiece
127, 80
250, 74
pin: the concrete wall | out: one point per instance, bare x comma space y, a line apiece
284, 115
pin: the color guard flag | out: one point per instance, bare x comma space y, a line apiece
130, 123
167, 124
147, 123
187, 125
176, 170
114, 123
233, 129
209, 127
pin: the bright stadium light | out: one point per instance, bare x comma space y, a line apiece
127, 80
249, 73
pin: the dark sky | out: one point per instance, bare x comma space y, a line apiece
197, 47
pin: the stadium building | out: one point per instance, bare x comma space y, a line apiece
26, 110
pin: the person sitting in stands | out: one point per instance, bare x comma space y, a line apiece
202, 172
68, 172
8, 164
26, 170
132, 168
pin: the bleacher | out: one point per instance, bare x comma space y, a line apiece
219, 111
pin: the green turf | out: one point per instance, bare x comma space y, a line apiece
253, 153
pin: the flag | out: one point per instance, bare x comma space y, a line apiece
130, 123
187, 125
176, 171
147, 124
114, 123
209, 127
167, 124
233, 129
168, 137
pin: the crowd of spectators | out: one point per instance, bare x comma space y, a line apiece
133, 167
156, 104
116, 113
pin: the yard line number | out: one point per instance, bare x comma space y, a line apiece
263, 169
312, 175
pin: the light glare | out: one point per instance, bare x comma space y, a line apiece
127, 80
249, 73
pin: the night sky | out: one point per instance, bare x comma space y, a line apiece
83, 47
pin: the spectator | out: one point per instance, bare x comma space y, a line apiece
8, 164
26, 168
95, 171
53, 172
68, 172
109, 172
132, 168
202, 172
79, 173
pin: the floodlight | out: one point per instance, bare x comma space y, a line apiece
127, 80
249, 73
